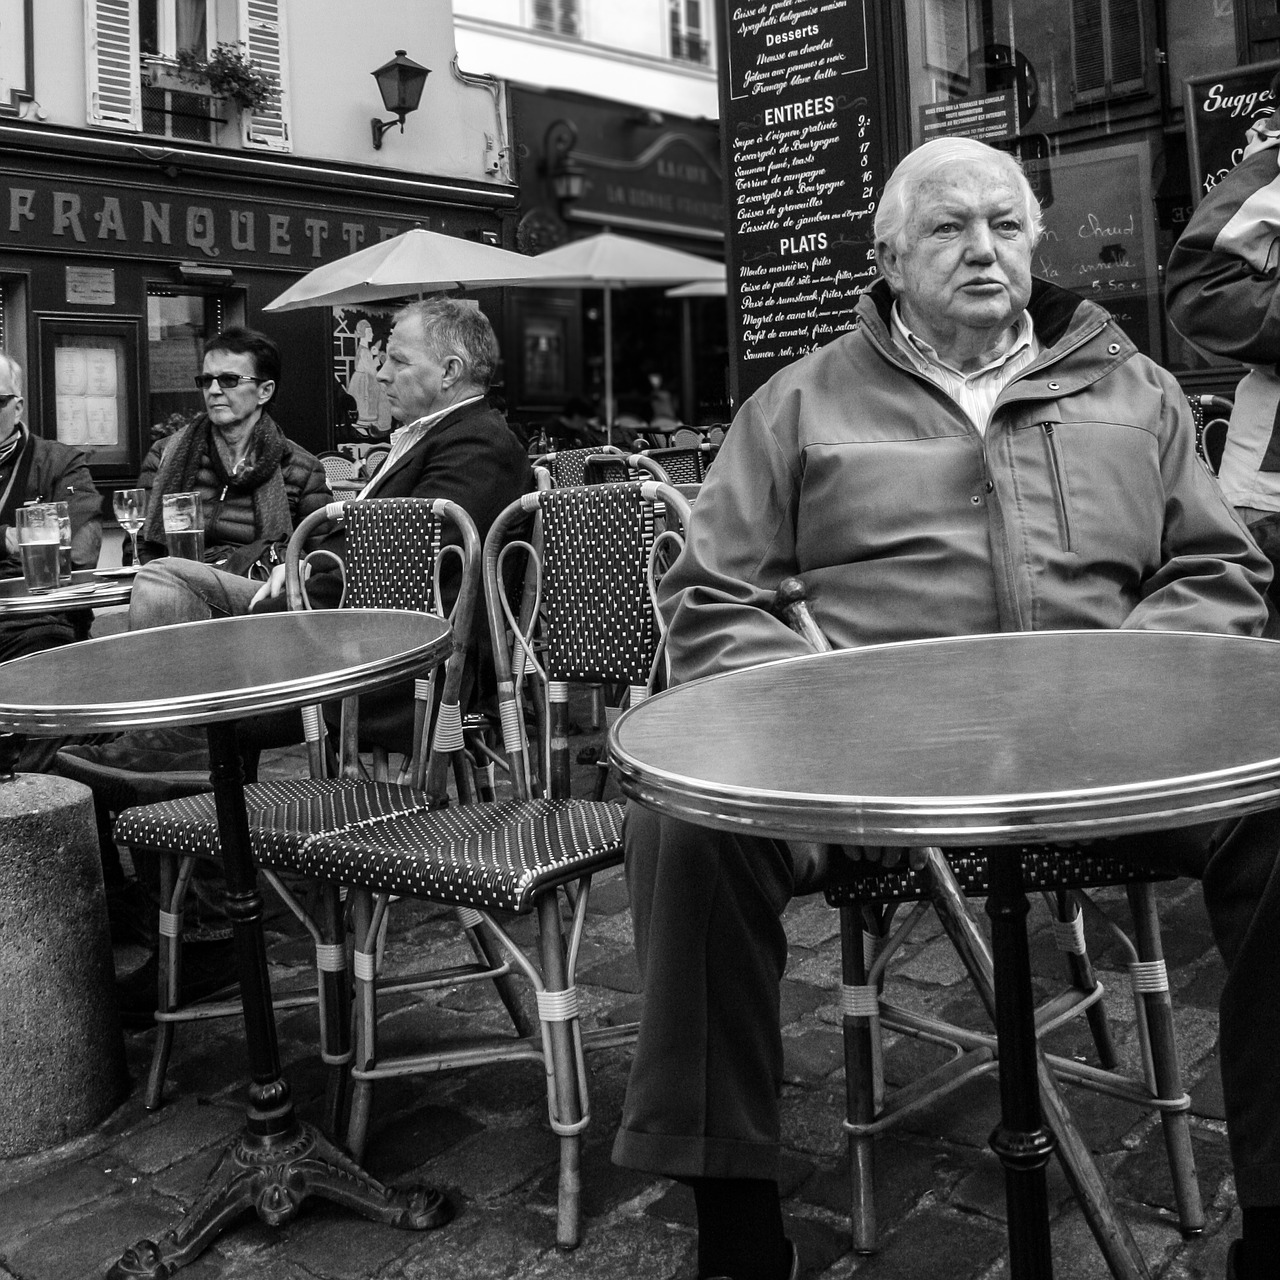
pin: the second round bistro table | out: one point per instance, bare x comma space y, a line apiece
978, 740
89, 589
213, 673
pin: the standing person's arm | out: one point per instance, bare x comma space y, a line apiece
1222, 290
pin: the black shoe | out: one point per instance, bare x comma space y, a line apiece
206, 969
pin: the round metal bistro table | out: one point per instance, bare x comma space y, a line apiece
213, 673
992, 740
88, 590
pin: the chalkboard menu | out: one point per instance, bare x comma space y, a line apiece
804, 160
1219, 109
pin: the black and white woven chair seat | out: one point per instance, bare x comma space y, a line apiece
283, 815
496, 856
1044, 868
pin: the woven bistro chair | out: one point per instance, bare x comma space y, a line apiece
536, 853
340, 469
1211, 415
685, 464
395, 551
868, 896
565, 466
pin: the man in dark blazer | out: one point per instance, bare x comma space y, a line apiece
453, 444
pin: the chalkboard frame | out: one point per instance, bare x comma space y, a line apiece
1194, 91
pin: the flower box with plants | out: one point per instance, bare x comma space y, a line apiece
227, 73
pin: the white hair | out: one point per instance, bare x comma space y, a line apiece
15, 370
899, 195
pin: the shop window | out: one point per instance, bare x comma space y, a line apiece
689, 41
1108, 47
89, 382
559, 17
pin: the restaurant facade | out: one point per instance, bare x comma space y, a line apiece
651, 175
142, 211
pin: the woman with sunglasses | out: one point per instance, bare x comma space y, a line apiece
255, 482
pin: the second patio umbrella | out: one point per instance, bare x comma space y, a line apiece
416, 261
608, 261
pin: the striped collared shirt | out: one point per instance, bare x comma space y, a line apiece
403, 439
976, 393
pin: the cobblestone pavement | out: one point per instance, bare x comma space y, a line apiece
482, 1133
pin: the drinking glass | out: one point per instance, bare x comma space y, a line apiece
38, 546
63, 511
184, 525
131, 510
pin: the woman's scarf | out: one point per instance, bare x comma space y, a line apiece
259, 474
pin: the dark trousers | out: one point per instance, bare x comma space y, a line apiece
702, 1099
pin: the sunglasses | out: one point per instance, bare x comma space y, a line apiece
225, 380
5, 401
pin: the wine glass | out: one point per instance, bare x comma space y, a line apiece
131, 510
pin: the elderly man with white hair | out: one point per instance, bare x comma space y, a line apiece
984, 452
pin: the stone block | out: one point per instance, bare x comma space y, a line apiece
62, 1063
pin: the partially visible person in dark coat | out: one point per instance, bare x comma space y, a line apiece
33, 469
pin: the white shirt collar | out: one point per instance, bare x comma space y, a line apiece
913, 343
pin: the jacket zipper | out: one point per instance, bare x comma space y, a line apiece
1059, 482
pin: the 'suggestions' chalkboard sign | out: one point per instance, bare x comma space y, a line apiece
1220, 107
804, 163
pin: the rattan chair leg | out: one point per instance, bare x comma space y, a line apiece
563, 1070
175, 877
364, 928
1083, 978
336, 1048
859, 1086
1165, 1067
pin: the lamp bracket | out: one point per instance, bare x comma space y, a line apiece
380, 127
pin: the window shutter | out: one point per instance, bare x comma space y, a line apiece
113, 69
262, 25
1127, 47
1108, 49
1089, 54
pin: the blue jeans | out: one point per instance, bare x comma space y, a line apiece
173, 590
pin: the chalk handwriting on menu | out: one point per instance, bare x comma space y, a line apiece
804, 163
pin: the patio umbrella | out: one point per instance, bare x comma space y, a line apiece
608, 261
416, 261
700, 289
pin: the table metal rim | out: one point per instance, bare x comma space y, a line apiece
1001, 817
195, 709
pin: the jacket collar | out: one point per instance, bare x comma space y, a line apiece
1058, 316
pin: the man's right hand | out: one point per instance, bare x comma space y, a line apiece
270, 589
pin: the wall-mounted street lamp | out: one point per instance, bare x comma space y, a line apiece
400, 82
563, 173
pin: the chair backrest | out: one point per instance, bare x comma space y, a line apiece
566, 466
685, 437
1210, 413
685, 464
338, 468
373, 460
589, 617
610, 468
401, 553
